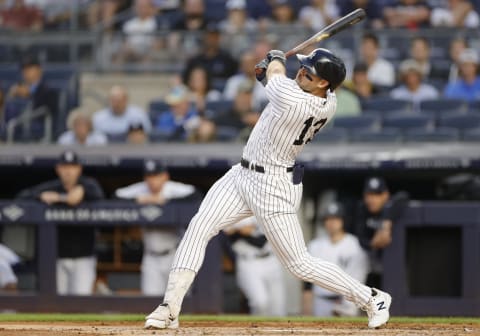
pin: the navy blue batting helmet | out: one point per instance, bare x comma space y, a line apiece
324, 64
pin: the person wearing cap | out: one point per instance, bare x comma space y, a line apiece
76, 263
374, 218
467, 87
80, 131
119, 115
136, 135
33, 86
413, 88
344, 250
258, 271
159, 244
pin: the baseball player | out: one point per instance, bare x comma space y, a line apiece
159, 243
342, 249
258, 271
267, 184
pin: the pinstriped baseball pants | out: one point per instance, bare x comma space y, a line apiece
274, 200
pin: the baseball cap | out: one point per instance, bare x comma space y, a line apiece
409, 65
138, 126
236, 4
177, 95
68, 157
152, 167
334, 210
375, 185
468, 56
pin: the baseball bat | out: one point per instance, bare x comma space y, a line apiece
330, 30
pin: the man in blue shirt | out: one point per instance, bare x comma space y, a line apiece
468, 86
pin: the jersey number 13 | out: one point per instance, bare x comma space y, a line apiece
309, 123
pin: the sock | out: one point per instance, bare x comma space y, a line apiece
179, 282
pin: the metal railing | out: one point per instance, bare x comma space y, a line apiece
25, 120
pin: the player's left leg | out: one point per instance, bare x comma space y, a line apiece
83, 275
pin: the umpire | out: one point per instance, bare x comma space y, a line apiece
76, 263
374, 219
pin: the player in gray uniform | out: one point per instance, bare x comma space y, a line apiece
267, 184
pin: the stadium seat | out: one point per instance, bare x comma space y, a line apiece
364, 122
404, 122
443, 106
441, 134
215, 108
461, 122
226, 133
472, 135
155, 108
474, 106
383, 136
331, 135
117, 138
387, 105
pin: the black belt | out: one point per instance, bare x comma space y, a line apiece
259, 169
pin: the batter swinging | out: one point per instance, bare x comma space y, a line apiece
267, 184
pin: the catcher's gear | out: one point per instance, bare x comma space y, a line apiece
324, 64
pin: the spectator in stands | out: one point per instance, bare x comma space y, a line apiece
103, 12
413, 89
243, 116
411, 14
237, 29
457, 46
81, 131
136, 135
374, 218
182, 119
159, 244
371, 7
380, 71
139, 34
283, 13
117, 118
8, 279
199, 83
76, 263
420, 52
468, 86
283, 22
360, 84
167, 5
193, 18
318, 14
342, 249
33, 86
247, 72
348, 104
21, 17
457, 13
218, 62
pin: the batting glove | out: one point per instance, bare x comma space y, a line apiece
276, 55
261, 71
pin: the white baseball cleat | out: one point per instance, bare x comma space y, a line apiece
161, 318
378, 308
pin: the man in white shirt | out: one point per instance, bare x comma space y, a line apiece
342, 249
117, 118
413, 89
380, 71
159, 244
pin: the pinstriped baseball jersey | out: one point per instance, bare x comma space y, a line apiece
289, 121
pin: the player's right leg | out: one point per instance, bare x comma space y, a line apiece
222, 206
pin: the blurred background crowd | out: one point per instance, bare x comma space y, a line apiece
412, 68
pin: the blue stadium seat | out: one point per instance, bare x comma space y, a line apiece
155, 137
331, 135
157, 107
461, 122
216, 10
215, 108
387, 105
383, 136
443, 105
441, 134
474, 106
364, 122
226, 133
404, 122
472, 135
117, 138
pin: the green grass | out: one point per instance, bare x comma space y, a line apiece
220, 318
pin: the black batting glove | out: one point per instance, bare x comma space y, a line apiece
261, 71
276, 55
